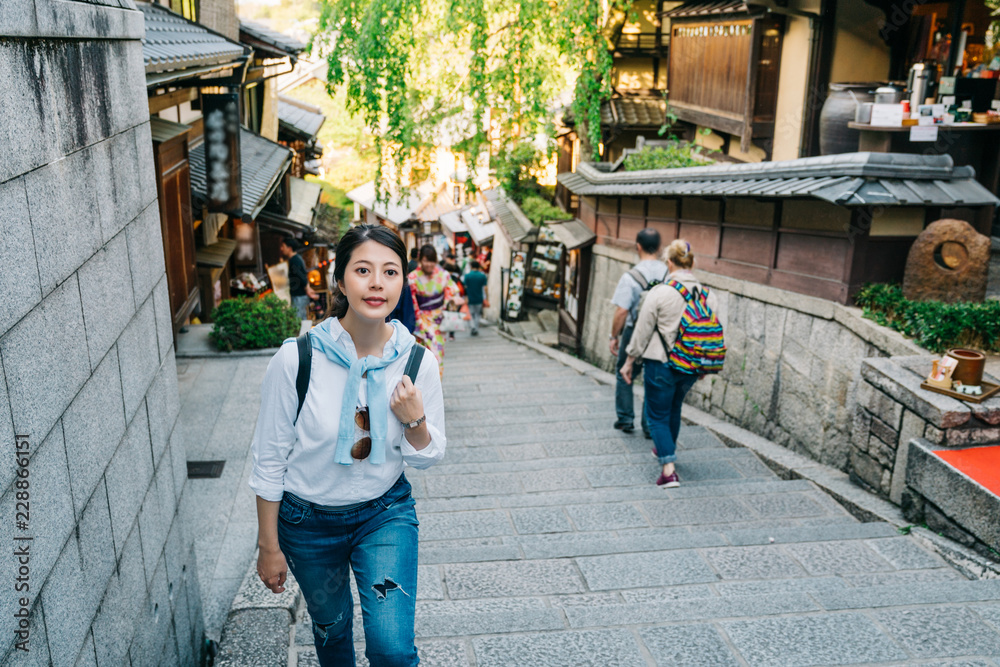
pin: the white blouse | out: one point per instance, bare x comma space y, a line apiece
299, 456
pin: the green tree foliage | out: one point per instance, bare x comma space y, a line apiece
934, 325
538, 210
250, 324
423, 73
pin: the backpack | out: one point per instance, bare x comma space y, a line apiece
645, 285
305, 367
700, 348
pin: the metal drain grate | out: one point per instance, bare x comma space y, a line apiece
205, 469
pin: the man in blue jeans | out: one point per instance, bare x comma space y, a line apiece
475, 292
626, 301
298, 277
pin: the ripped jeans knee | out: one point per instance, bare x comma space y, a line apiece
327, 632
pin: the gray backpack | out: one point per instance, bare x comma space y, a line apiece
646, 285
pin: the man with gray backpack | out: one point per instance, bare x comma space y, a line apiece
632, 287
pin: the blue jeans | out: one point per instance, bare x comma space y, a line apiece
378, 539
665, 392
476, 311
624, 396
301, 305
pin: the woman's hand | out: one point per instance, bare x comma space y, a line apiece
406, 402
272, 569
626, 371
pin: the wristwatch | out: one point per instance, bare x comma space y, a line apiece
415, 423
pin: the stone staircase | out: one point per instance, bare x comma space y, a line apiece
544, 541
541, 327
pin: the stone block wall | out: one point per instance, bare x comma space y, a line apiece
87, 372
792, 364
948, 501
892, 410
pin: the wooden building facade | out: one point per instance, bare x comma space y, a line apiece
817, 226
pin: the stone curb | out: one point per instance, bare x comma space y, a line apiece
194, 344
255, 607
863, 505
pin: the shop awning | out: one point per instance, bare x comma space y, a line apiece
572, 233
298, 118
847, 179
453, 223
165, 130
270, 42
481, 227
299, 221
262, 165
175, 48
305, 198
215, 255
514, 222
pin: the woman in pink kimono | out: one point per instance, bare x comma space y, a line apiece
433, 288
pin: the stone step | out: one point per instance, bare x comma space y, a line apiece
497, 528
622, 495
616, 456
457, 405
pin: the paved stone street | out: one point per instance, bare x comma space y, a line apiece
544, 541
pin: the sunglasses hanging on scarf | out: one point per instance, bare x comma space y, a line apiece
363, 447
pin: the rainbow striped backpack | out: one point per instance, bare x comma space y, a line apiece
700, 348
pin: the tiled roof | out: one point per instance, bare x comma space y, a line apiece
848, 179
262, 163
513, 220
396, 210
696, 8
294, 118
174, 43
634, 112
252, 31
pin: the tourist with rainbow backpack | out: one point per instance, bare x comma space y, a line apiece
680, 339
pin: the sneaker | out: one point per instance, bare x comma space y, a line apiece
625, 428
474, 332
668, 481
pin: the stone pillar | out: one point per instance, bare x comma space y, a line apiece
88, 380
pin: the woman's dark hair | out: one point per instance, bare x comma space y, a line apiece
428, 252
351, 240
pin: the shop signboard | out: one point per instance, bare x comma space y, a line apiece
221, 111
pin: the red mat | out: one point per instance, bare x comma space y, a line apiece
980, 463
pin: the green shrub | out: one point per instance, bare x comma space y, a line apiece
538, 210
677, 154
934, 325
251, 324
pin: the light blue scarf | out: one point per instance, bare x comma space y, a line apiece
378, 400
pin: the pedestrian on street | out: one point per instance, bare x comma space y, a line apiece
450, 264
656, 333
414, 262
475, 292
298, 277
433, 288
648, 272
328, 468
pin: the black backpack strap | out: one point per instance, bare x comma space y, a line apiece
305, 368
413, 363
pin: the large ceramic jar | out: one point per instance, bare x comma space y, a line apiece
838, 111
